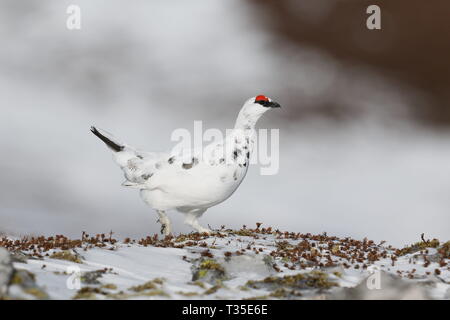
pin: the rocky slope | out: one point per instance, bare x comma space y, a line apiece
250, 263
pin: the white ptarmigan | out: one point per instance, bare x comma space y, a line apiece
191, 181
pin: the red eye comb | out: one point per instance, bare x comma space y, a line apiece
261, 98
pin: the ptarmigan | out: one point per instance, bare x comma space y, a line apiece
191, 181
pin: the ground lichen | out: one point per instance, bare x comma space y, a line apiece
311, 280
37, 293
418, 246
208, 270
91, 277
88, 293
214, 288
19, 277
157, 292
187, 294
109, 286
210, 264
244, 232
444, 250
150, 285
198, 284
66, 255
265, 297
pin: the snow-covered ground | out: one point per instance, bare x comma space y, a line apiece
257, 263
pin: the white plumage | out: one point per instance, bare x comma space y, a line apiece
191, 181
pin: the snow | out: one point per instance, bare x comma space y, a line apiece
132, 265
173, 261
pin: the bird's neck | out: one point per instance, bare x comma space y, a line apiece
238, 147
244, 131
246, 121
239, 142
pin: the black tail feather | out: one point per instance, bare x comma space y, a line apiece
111, 144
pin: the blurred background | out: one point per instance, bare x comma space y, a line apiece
364, 128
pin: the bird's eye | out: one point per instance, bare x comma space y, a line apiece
261, 98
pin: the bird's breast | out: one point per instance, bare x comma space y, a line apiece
204, 186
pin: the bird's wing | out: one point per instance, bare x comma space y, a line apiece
164, 170
138, 166
146, 170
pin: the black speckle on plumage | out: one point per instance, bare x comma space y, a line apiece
147, 176
187, 166
236, 153
193, 163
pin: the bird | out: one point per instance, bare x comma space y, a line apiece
190, 181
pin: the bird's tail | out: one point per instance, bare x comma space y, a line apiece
108, 140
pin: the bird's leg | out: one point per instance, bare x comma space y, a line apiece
191, 219
166, 225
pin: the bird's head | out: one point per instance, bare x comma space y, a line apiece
253, 109
260, 104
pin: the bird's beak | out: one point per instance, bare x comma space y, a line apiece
273, 104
